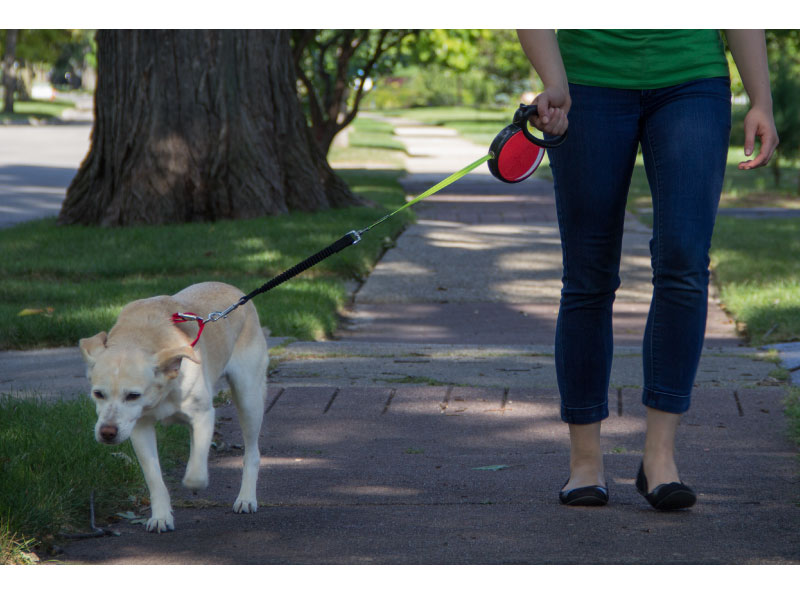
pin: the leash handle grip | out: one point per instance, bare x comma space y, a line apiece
524, 112
346, 240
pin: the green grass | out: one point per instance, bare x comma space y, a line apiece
50, 464
87, 274
756, 264
741, 189
24, 110
369, 142
475, 124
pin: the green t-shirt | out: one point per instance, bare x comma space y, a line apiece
641, 58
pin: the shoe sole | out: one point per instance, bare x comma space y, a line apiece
586, 501
588, 496
677, 500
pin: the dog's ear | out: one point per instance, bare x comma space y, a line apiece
168, 362
91, 347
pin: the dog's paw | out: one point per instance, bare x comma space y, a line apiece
160, 525
195, 482
245, 505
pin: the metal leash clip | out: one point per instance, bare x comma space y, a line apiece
217, 315
187, 317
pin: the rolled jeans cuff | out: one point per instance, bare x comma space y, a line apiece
671, 403
584, 416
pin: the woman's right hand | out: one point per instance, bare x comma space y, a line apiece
553, 105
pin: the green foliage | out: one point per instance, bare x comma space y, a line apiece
434, 85
335, 67
457, 67
48, 45
429, 67
784, 56
42, 45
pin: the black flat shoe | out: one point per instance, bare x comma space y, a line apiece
667, 496
591, 495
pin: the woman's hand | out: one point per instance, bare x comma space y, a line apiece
553, 105
759, 123
749, 50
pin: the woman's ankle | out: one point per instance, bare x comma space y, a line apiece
586, 457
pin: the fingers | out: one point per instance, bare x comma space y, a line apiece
769, 141
554, 121
762, 127
762, 159
550, 119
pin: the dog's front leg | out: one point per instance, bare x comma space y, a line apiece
202, 423
143, 438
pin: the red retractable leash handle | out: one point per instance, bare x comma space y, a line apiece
516, 152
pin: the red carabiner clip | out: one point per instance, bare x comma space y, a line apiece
185, 318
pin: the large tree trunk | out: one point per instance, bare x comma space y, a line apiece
198, 126
9, 70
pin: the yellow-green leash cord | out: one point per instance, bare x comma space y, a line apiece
430, 191
350, 238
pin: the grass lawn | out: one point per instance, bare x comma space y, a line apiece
370, 142
741, 189
50, 464
756, 265
24, 110
475, 124
64, 283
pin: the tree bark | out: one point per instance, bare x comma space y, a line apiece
9, 70
198, 126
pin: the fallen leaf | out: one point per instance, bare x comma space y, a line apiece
27, 312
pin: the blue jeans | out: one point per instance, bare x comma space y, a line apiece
684, 132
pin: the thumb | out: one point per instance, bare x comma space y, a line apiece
543, 107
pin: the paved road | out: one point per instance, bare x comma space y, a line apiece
37, 164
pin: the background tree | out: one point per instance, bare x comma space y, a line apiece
198, 126
9, 69
783, 47
335, 66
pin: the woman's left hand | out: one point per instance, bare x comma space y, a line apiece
759, 123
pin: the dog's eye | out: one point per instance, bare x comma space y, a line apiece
99, 395
133, 396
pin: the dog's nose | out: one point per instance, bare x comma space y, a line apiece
108, 432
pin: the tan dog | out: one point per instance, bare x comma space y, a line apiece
145, 370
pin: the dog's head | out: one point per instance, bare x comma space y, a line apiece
127, 381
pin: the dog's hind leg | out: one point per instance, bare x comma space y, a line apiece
143, 438
247, 374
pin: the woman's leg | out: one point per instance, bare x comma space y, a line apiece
591, 173
685, 137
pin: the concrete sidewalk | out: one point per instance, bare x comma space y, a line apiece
428, 432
